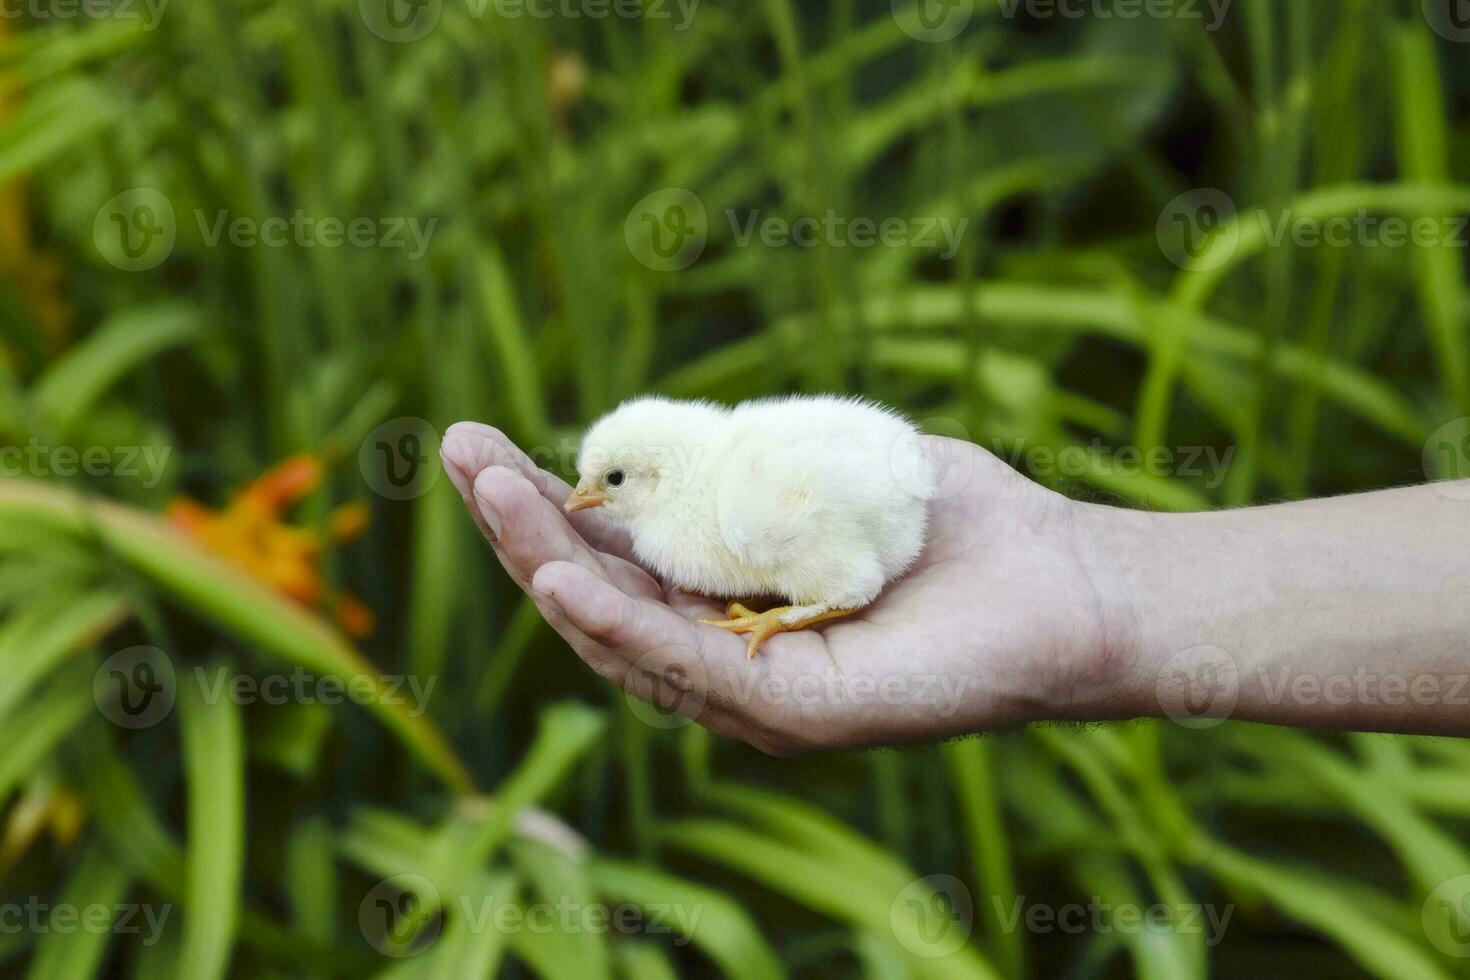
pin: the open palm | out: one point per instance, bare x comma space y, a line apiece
994, 624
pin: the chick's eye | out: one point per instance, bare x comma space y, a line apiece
615, 478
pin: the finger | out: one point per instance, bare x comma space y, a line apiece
660, 659
477, 446
461, 468
652, 638
464, 459
488, 516
632, 626
528, 531
468, 448
694, 607
631, 578
638, 627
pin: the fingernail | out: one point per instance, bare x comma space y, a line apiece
449, 455
492, 519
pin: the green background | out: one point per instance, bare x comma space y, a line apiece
1063, 322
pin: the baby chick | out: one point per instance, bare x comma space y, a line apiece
818, 499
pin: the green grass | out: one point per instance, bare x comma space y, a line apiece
1058, 324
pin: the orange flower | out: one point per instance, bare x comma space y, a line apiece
31, 274
41, 806
251, 533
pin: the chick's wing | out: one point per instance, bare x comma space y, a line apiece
776, 495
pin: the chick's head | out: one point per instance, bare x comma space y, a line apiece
637, 457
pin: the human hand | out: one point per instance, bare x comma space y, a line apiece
996, 623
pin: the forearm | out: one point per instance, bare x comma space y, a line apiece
1347, 612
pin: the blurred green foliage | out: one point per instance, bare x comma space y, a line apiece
522, 146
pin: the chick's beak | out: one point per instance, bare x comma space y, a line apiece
584, 497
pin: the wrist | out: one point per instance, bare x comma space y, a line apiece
1118, 553
1185, 600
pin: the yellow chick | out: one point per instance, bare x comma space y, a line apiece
820, 500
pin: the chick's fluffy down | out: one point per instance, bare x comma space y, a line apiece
821, 500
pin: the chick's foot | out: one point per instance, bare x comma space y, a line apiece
764, 625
